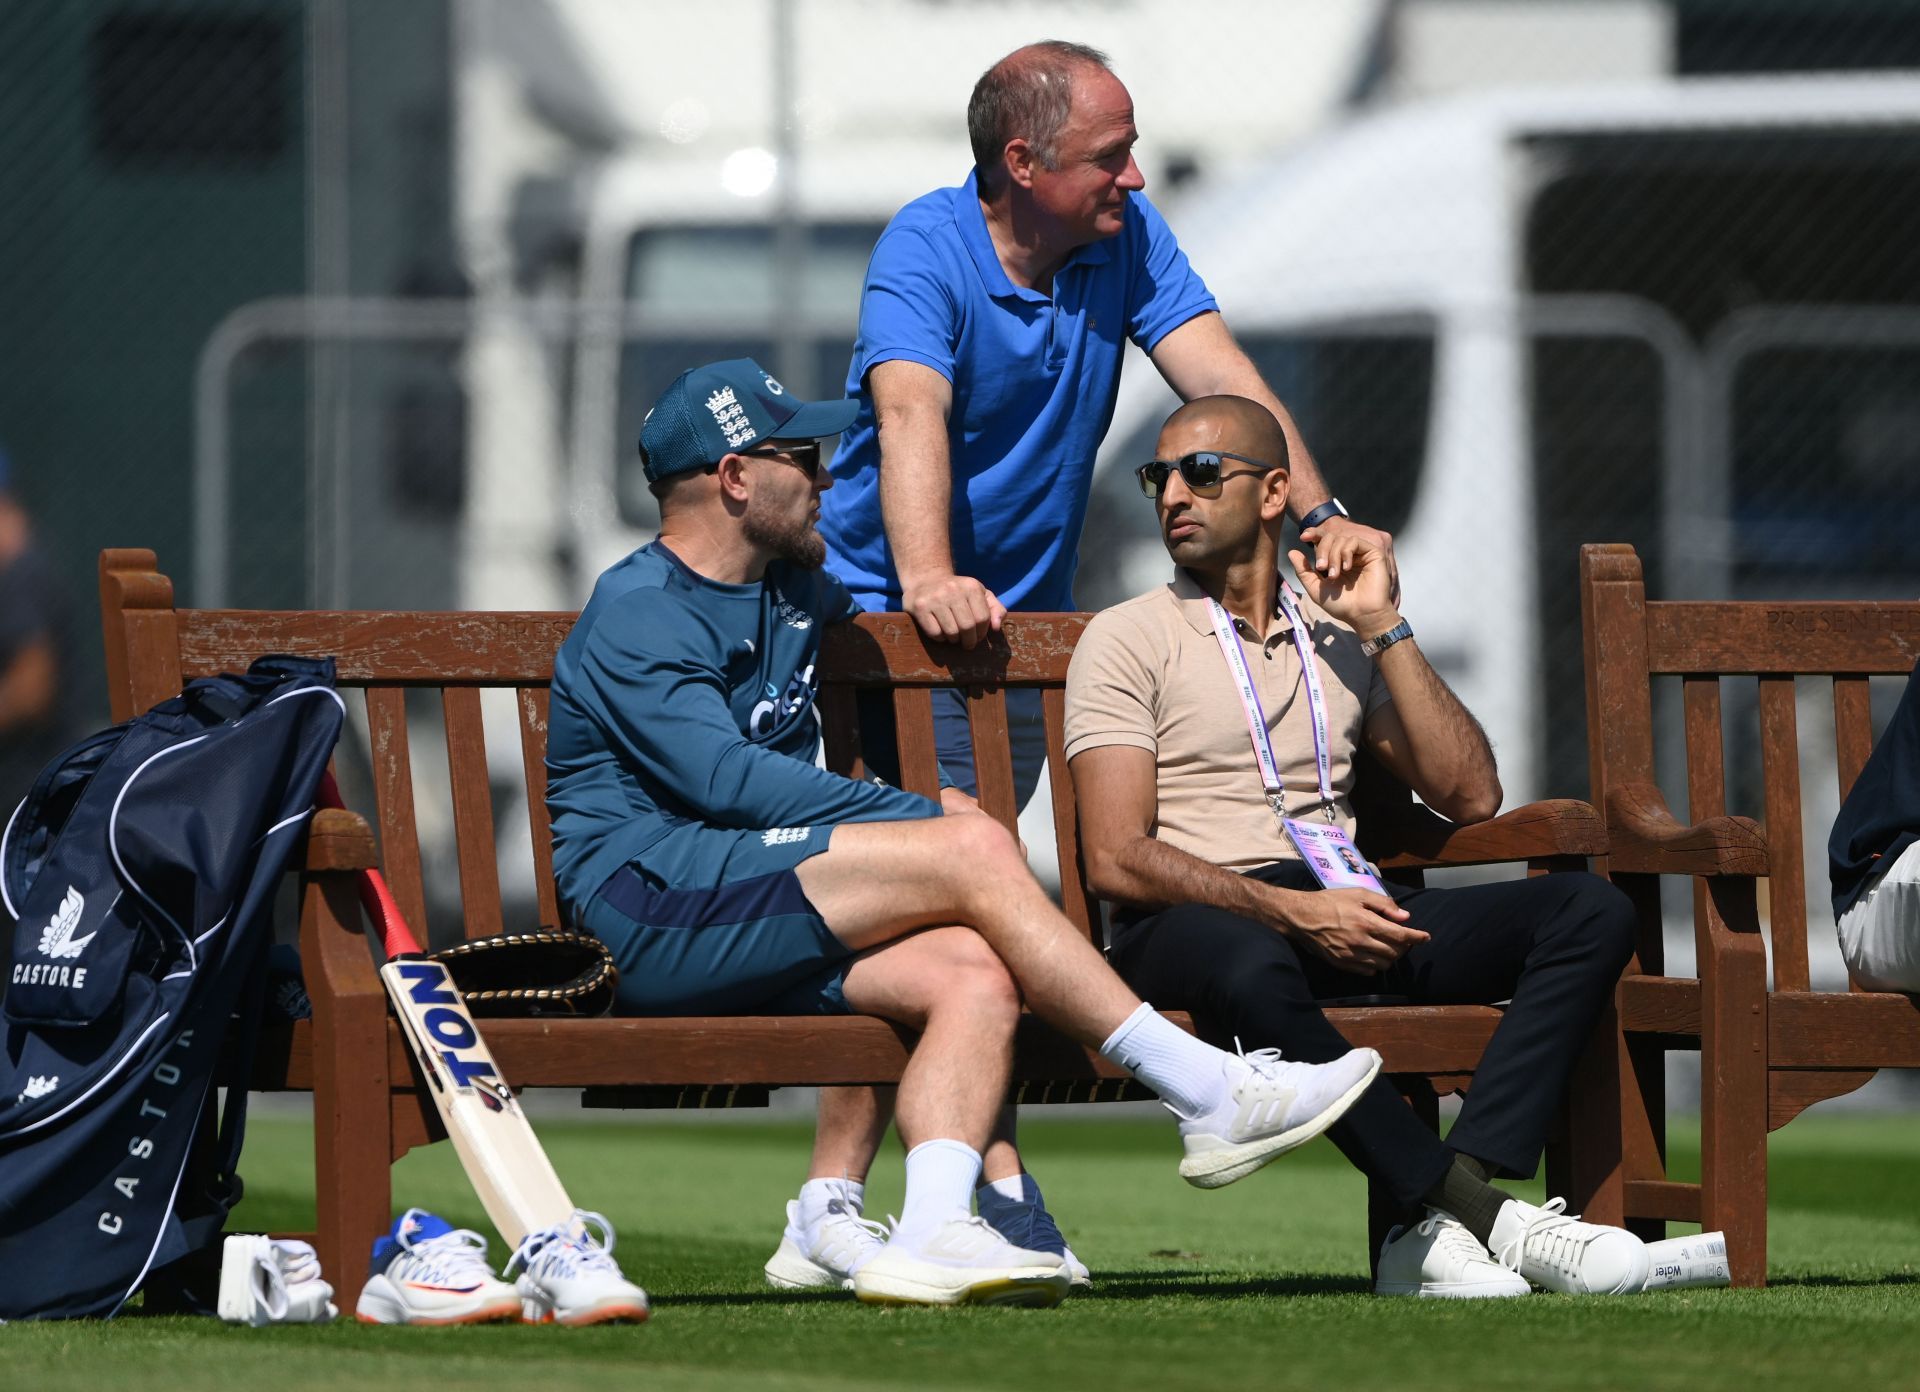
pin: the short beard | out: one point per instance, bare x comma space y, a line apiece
792, 541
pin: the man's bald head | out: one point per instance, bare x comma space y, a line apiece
1027, 95
1231, 423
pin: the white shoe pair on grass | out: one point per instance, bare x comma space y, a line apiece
1013, 1253
429, 1272
1533, 1245
1010, 1254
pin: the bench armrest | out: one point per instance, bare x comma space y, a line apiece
1415, 836
339, 840
1648, 839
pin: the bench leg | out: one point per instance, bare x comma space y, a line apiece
1589, 1170
1733, 1087
352, 1127
1383, 1210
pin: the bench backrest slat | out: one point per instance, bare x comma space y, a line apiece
393, 803
472, 811
1780, 772
1852, 730
532, 702
992, 752
919, 754
1706, 749
1080, 906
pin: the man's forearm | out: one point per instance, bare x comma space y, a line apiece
1145, 873
1453, 765
916, 493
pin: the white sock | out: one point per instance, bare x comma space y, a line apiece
940, 1179
1015, 1188
1185, 1071
817, 1194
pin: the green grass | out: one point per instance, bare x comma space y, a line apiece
1261, 1285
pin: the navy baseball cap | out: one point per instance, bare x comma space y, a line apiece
729, 407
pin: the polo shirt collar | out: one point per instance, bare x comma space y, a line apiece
1191, 601
971, 219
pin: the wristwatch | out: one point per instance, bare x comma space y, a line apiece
1331, 508
1379, 643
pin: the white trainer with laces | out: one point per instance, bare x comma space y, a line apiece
962, 1261
428, 1272
1026, 1223
1440, 1260
1556, 1251
567, 1275
1271, 1106
828, 1256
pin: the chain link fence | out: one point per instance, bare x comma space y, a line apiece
333, 302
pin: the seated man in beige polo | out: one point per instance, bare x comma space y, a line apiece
1211, 729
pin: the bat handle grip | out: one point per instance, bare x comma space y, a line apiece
396, 939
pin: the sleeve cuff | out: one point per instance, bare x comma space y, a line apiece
1099, 739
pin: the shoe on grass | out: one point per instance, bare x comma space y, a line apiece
1438, 1259
962, 1261
567, 1275
428, 1272
1025, 1222
826, 1255
1556, 1251
1271, 1106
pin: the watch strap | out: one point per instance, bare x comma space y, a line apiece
1380, 642
1331, 508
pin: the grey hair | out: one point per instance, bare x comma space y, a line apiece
1026, 95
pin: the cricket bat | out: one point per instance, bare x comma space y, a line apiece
502, 1157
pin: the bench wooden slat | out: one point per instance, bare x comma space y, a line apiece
878, 650
532, 702
1080, 907
840, 732
447, 649
393, 803
919, 754
1706, 751
993, 753
472, 811
1780, 772
1852, 729
1805, 636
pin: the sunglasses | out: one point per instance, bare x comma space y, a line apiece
804, 455
1200, 471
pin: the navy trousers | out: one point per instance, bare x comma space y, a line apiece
1554, 945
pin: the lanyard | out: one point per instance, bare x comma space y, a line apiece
1256, 718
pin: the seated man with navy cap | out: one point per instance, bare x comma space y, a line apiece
693, 833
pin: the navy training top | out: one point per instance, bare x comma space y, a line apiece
681, 724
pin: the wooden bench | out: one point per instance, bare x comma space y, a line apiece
369, 1106
1766, 1053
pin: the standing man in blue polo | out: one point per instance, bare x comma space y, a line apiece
992, 327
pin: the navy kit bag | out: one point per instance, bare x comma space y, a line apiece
139, 873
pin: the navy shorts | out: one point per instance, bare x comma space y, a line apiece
751, 947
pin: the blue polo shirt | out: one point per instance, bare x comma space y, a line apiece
1034, 382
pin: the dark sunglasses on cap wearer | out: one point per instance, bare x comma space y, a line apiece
804, 455
1200, 471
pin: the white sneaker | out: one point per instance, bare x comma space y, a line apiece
1556, 1251
1026, 1223
1440, 1259
567, 1275
426, 1272
961, 1262
1271, 1106
827, 1257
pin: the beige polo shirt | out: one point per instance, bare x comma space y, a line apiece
1150, 673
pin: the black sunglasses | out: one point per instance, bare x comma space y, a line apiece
1200, 471
804, 455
